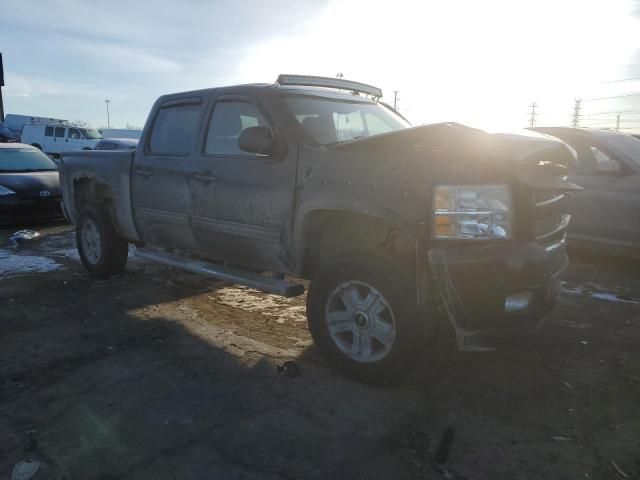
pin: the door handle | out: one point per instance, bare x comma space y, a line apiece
205, 177
144, 172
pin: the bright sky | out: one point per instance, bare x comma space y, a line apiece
477, 62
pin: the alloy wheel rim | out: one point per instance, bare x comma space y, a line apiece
360, 322
91, 242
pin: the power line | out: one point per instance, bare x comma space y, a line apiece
611, 112
624, 80
614, 96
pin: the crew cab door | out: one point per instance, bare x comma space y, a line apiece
243, 202
74, 139
162, 171
607, 209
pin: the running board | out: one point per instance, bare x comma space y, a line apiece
227, 274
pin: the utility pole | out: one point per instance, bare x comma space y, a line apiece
618, 122
1, 85
576, 113
395, 100
532, 114
107, 101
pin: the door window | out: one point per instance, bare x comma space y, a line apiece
74, 134
60, 132
48, 132
228, 120
174, 130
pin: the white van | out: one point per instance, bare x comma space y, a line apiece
54, 138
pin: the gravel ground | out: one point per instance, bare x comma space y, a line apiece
159, 374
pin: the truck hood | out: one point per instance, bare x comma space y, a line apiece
535, 160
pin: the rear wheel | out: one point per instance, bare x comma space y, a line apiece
102, 251
363, 318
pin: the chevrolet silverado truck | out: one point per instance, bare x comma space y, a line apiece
399, 229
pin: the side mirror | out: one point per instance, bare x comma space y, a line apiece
258, 140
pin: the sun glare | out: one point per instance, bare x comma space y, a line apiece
463, 61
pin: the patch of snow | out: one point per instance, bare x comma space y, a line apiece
68, 253
612, 297
250, 300
606, 296
14, 263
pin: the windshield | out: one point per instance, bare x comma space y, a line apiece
91, 133
25, 160
327, 120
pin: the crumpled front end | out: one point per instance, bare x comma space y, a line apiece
489, 287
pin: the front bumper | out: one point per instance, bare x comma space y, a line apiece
14, 209
500, 286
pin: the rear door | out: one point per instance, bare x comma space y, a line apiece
243, 202
59, 140
606, 211
47, 141
162, 171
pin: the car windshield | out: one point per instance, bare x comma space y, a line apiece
25, 160
329, 121
91, 133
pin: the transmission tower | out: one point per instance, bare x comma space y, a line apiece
576, 113
532, 115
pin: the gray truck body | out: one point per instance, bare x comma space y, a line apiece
286, 212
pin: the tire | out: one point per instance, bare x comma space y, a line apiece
391, 320
102, 252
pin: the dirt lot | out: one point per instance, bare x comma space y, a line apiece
164, 375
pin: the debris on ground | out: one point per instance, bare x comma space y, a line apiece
444, 447
25, 470
617, 468
289, 368
22, 236
30, 445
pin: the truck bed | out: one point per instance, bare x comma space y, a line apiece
106, 170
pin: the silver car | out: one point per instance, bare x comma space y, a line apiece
117, 144
607, 212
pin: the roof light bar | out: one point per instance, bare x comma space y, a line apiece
312, 81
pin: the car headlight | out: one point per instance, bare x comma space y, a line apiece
5, 191
472, 212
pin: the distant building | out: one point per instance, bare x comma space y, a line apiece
120, 133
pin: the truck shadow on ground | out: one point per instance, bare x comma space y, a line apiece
103, 380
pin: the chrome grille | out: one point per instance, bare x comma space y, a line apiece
550, 217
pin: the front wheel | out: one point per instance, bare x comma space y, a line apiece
102, 251
363, 318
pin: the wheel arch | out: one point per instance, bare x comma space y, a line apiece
90, 189
326, 232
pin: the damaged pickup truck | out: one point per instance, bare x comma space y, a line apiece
398, 228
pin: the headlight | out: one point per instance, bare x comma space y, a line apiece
5, 191
472, 212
